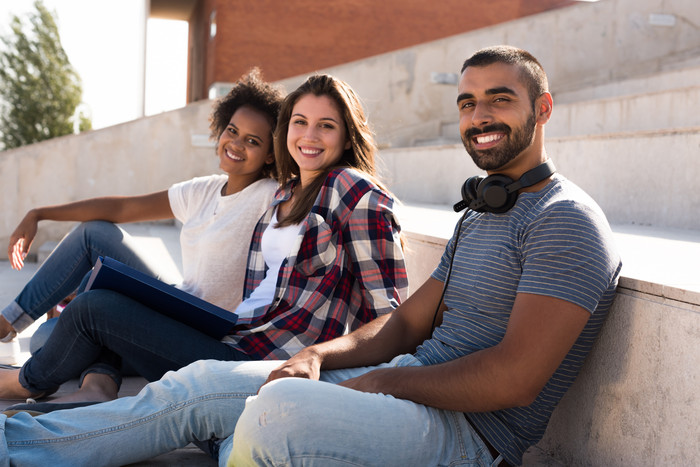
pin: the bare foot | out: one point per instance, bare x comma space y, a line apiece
96, 388
10, 387
5, 327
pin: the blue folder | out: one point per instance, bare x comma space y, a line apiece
206, 317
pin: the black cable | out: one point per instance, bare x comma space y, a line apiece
449, 270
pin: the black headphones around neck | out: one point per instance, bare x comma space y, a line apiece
498, 193
495, 193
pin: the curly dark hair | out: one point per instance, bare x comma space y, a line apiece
249, 91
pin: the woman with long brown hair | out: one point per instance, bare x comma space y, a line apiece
324, 259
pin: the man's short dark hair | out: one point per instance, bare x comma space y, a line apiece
531, 71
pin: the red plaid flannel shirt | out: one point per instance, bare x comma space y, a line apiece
349, 269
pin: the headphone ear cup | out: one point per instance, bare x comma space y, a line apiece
494, 194
491, 194
469, 188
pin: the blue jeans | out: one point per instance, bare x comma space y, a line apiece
100, 330
42, 334
291, 422
70, 262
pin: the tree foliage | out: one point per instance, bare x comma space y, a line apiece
39, 88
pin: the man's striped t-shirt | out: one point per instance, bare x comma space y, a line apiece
553, 242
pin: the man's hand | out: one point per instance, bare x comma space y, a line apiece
305, 364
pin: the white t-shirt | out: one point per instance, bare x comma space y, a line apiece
276, 245
216, 233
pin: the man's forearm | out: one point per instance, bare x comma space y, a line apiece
512, 373
368, 345
401, 331
468, 384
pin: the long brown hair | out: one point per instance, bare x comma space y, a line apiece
359, 156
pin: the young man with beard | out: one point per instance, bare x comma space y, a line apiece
466, 371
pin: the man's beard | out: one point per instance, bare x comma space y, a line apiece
515, 143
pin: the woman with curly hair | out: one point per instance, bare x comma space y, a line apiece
218, 214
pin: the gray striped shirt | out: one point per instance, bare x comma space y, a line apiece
553, 242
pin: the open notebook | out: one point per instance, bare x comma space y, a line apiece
208, 318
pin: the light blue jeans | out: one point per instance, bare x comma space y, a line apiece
291, 422
70, 262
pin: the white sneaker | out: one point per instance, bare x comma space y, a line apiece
9, 350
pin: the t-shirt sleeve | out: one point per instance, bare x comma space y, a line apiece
178, 195
568, 253
186, 197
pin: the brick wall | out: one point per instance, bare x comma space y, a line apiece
291, 37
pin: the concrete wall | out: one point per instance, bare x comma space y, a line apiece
596, 45
645, 178
141, 156
288, 38
582, 46
635, 401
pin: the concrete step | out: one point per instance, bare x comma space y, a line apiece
649, 111
663, 100
449, 134
662, 261
646, 178
642, 177
683, 74
441, 140
667, 109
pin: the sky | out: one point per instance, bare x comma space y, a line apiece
104, 42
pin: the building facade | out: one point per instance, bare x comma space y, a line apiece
291, 37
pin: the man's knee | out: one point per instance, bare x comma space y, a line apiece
279, 414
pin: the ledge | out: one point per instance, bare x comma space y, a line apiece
656, 261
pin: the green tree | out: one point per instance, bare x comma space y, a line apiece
39, 88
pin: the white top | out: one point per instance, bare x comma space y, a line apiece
216, 233
276, 246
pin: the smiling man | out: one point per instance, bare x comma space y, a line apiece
466, 371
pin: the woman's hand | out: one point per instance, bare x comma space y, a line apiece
305, 364
21, 240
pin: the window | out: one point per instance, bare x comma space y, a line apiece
212, 24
